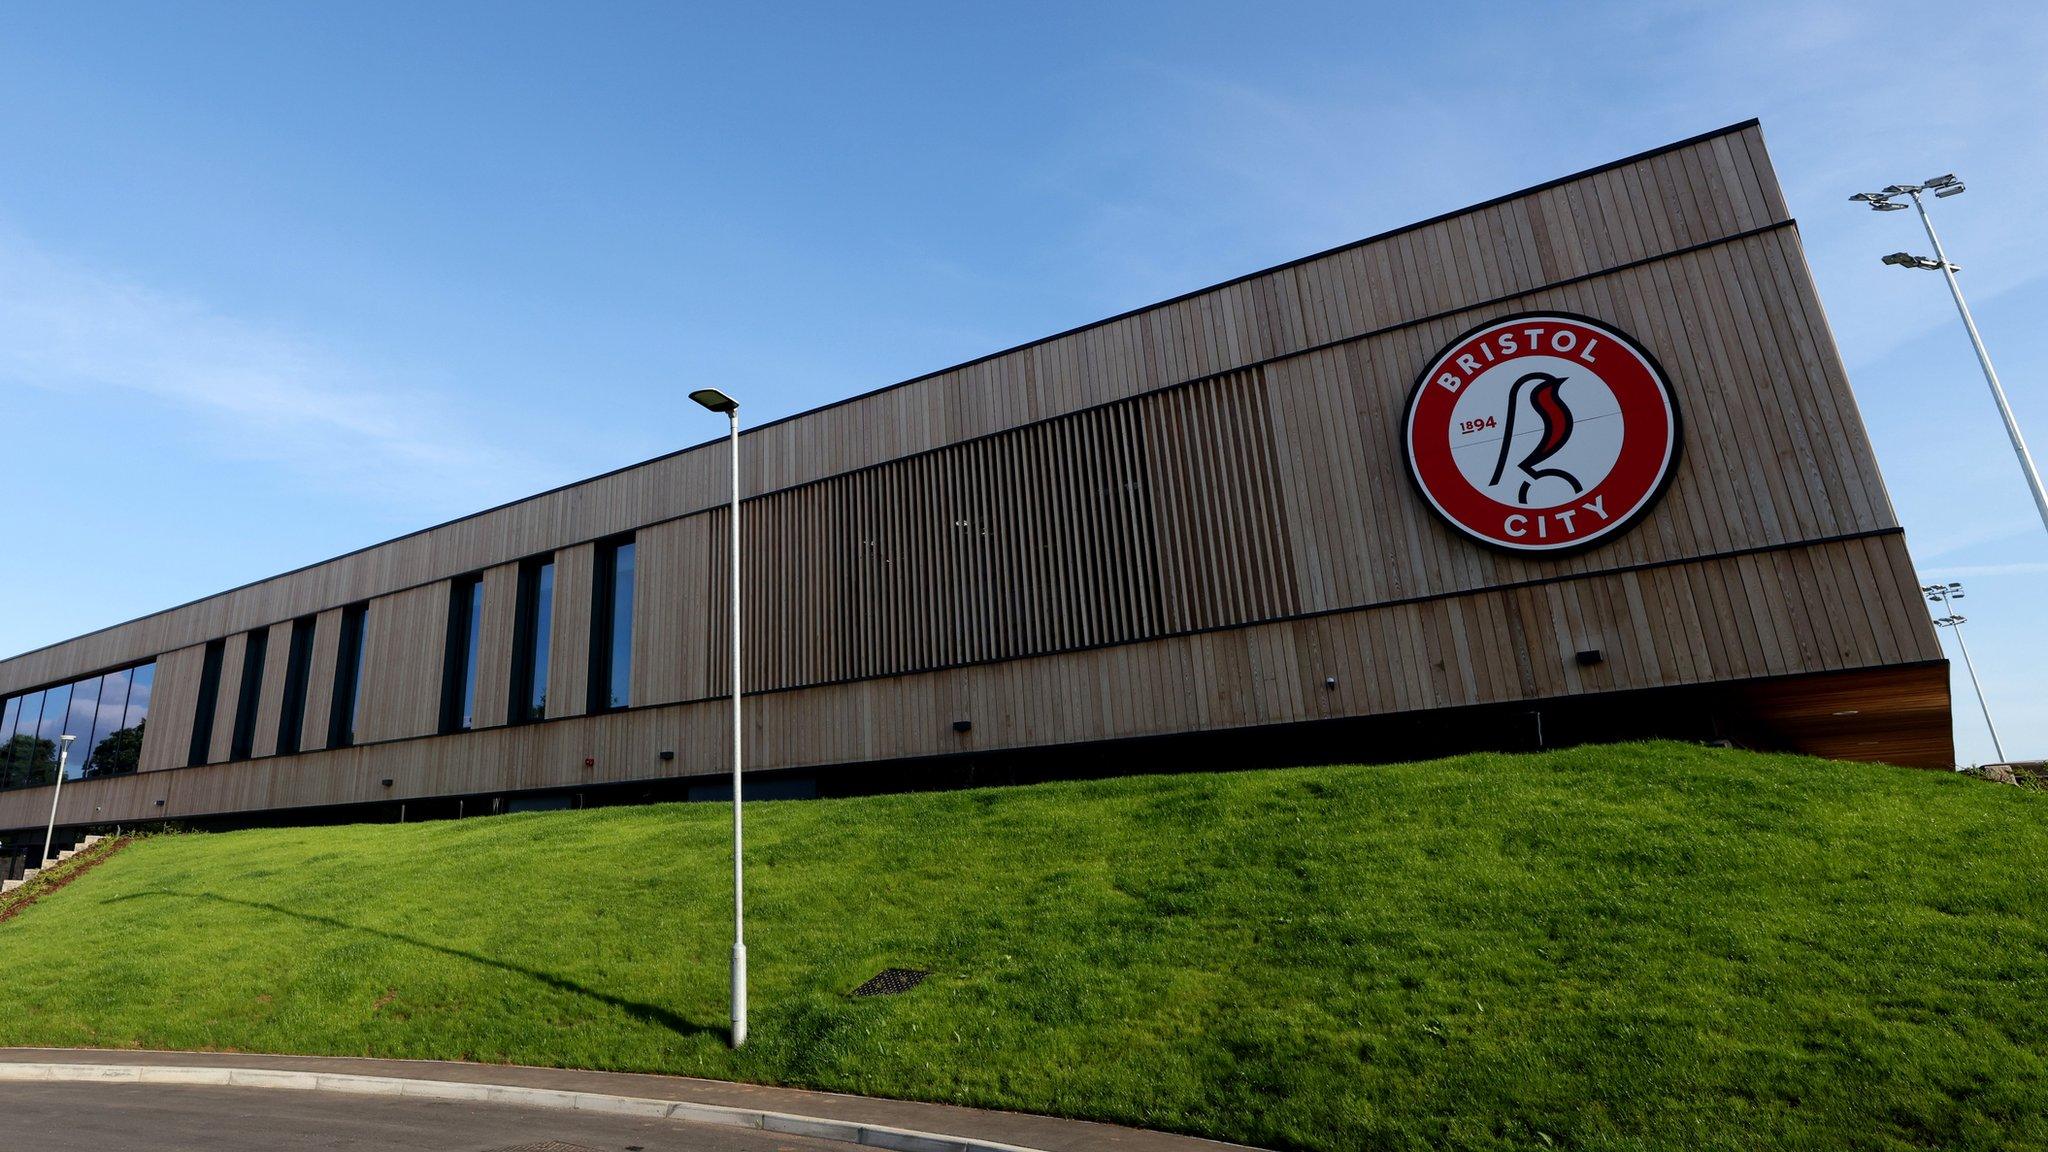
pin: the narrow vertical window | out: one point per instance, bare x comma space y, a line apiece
611, 627
244, 737
348, 677
209, 700
533, 618
458, 662
298, 670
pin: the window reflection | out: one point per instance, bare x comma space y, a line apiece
107, 713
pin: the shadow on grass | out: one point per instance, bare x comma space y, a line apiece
638, 1010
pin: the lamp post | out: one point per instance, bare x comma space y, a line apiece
1944, 187
1941, 594
63, 758
718, 401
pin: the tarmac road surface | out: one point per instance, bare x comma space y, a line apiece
88, 1117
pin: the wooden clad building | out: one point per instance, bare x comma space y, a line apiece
1203, 515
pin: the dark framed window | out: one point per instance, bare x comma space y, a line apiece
533, 617
611, 626
348, 677
209, 702
243, 741
105, 713
298, 670
458, 661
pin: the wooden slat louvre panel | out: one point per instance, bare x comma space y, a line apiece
320, 681
270, 698
225, 703
405, 638
173, 697
1025, 542
494, 645
569, 638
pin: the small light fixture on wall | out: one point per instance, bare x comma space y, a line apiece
1590, 657
963, 725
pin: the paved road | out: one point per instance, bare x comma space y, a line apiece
47, 1117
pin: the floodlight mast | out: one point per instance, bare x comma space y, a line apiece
1944, 186
1943, 594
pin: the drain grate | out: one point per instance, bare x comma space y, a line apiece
546, 1146
890, 981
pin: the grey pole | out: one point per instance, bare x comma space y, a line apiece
739, 920
718, 401
1954, 623
2012, 425
63, 757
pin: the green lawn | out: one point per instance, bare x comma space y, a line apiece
1646, 946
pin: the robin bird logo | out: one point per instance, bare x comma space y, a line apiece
1557, 430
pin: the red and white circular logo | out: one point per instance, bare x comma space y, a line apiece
1542, 432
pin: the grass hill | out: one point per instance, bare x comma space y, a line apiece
1645, 946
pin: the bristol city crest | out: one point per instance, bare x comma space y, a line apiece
1543, 432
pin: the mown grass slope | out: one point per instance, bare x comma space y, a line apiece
1647, 946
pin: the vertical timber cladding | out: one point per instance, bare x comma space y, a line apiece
1192, 516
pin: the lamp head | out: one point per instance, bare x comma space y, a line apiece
715, 400
1941, 181
67, 738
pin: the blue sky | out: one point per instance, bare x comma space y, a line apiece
278, 281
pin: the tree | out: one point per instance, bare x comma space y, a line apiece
119, 753
27, 759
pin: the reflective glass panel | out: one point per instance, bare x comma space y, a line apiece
543, 626
621, 671
79, 720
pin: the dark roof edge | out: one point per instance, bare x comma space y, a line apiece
1636, 158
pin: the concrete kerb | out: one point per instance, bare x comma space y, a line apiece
868, 1135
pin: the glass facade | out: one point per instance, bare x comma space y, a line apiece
105, 713
534, 618
208, 703
458, 664
611, 627
348, 677
255, 647
298, 671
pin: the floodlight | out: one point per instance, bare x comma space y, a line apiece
1900, 189
1941, 181
1951, 190
1888, 206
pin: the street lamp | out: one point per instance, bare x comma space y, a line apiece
718, 401
63, 757
1944, 187
1942, 594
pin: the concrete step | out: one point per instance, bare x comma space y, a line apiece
66, 854
7, 886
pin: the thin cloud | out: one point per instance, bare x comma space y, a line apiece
268, 394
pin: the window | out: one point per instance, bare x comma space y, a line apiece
103, 713
611, 627
209, 700
117, 744
348, 677
458, 663
533, 619
298, 669
27, 755
243, 741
